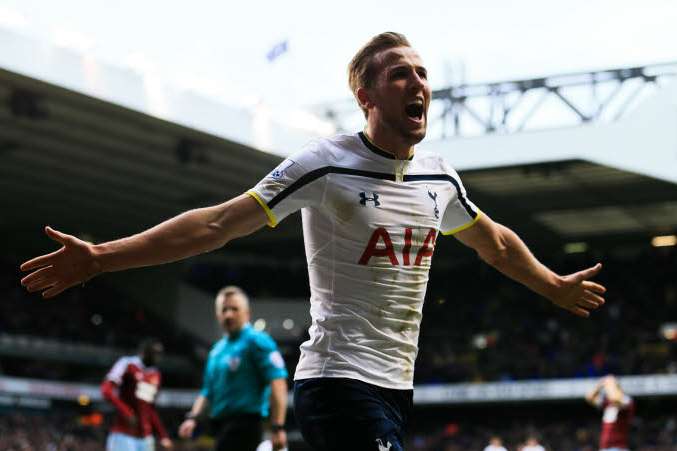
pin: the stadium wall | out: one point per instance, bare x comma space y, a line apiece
446, 394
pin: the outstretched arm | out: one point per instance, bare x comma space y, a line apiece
190, 233
504, 250
593, 395
613, 390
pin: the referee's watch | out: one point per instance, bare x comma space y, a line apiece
274, 427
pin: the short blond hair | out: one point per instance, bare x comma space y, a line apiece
361, 69
231, 290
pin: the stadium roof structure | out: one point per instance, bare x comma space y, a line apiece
102, 171
596, 181
462, 110
576, 200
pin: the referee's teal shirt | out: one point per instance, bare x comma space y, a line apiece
239, 371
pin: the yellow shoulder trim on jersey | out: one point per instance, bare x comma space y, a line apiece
272, 220
464, 226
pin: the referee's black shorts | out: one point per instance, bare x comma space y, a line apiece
241, 432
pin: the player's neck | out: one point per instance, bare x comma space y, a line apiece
235, 332
389, 143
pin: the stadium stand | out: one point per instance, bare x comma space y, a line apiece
68, 431
461, 339
561, 426
77, 338
472, 331
468, 340
477, 327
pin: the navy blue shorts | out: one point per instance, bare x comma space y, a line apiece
336, 414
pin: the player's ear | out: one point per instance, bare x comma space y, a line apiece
364, 98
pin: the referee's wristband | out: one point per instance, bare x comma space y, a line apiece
191, 416
276, 427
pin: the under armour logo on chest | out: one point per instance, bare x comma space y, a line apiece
433, 196
364, 199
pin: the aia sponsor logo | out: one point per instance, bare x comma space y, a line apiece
381, 245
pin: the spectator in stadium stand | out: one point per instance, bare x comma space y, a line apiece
243, 372
495, 444
618, 409
131, 386
532, 444
372, 208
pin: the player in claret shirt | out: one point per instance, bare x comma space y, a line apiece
131, 386
618, 410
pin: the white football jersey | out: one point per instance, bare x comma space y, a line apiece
369, 222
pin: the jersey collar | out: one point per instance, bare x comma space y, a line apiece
240, 333
377, 150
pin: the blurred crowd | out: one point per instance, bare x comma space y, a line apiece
54, 432
95, 313
477, 324
480, 326
573, 430
493, 329
61, 431
65, 431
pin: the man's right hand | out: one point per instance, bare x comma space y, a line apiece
187, 428
71, 265
279, 440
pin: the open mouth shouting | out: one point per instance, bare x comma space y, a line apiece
415, 111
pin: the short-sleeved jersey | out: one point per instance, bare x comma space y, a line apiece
616, 421
370, 223
238, 373
138, 387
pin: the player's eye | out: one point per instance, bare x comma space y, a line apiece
398, 73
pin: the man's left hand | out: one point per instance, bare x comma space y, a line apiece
578, 294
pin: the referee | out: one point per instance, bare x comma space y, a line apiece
243, 375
